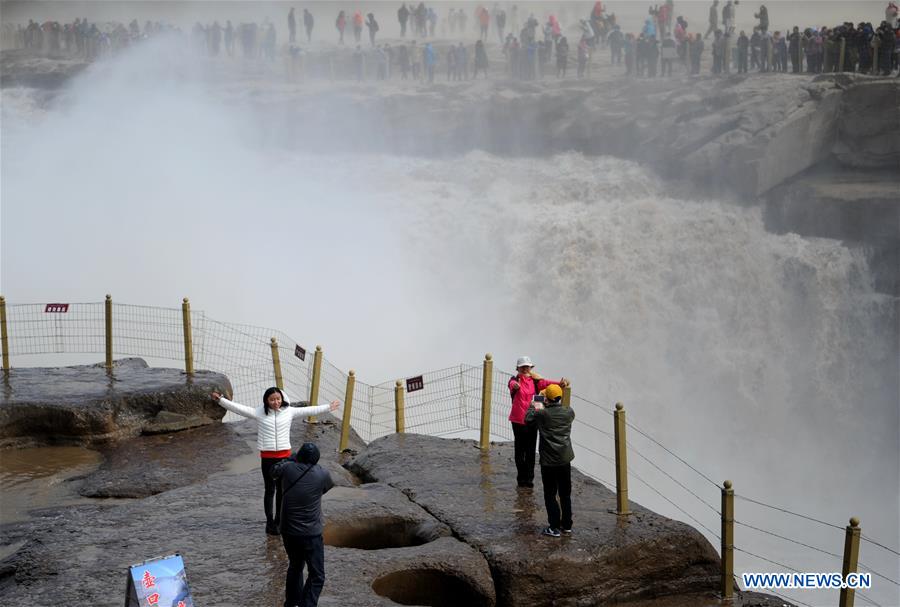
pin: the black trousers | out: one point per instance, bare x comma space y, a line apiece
525, 443
557, 481
309, 551
272, 489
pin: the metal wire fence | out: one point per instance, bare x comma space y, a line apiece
440, 403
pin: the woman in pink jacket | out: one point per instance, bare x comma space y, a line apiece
522, 388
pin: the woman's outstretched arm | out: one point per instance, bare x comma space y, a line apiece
242, 410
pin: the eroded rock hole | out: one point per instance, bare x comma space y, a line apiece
429, 587
380, 532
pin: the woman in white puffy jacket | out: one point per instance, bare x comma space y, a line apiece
273, 419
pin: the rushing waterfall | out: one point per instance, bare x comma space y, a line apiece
766, 359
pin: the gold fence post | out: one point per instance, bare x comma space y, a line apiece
4, 336
314, 388
621, 461
348, 405
109, 338
487, 377
851, 556
276, 364
188, 342
567, 395
398, 407
727, 541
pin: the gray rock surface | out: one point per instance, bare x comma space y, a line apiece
868, 125
608, 558
147, 465
87, 405
862, 209
449, 530
745, 134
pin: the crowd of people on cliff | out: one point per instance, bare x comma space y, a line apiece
526, 47
79, 38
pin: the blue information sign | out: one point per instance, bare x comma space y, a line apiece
160, 582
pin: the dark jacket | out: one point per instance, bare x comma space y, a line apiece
301, 506
555, 425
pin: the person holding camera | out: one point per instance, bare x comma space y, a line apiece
303, 482
522, 389
554, 422
273, 438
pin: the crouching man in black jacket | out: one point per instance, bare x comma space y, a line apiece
303, 483
554, 421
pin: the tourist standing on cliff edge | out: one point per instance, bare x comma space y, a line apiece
273, 439
522, 388
713, 19
554, 421
292, 27
308, 23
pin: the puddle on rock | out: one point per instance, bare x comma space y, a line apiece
34, 477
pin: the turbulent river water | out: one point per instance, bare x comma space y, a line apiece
766, 359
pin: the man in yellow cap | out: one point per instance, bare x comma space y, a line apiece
554, 421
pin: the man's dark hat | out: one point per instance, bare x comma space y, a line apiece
308, 453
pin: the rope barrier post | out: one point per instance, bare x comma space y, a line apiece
188, 343
4, 337
109, 339
727, 541
487, 377
621, 461
398, 407
348, 405
843, 50
851, 556
276, 364
314, 387
567, 395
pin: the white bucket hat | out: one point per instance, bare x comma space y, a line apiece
524, 361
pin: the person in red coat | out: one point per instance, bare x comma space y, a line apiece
522, 388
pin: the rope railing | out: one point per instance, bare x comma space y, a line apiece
676, 506
875, 573
672, 478
787, 539
786, 511
450, 401
873, 542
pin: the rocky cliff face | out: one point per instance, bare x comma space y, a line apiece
744, 134
85, 404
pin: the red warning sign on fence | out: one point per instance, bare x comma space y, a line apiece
299, 352
415, 383
56, 308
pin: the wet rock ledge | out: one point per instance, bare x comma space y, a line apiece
86, 405
413, 520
